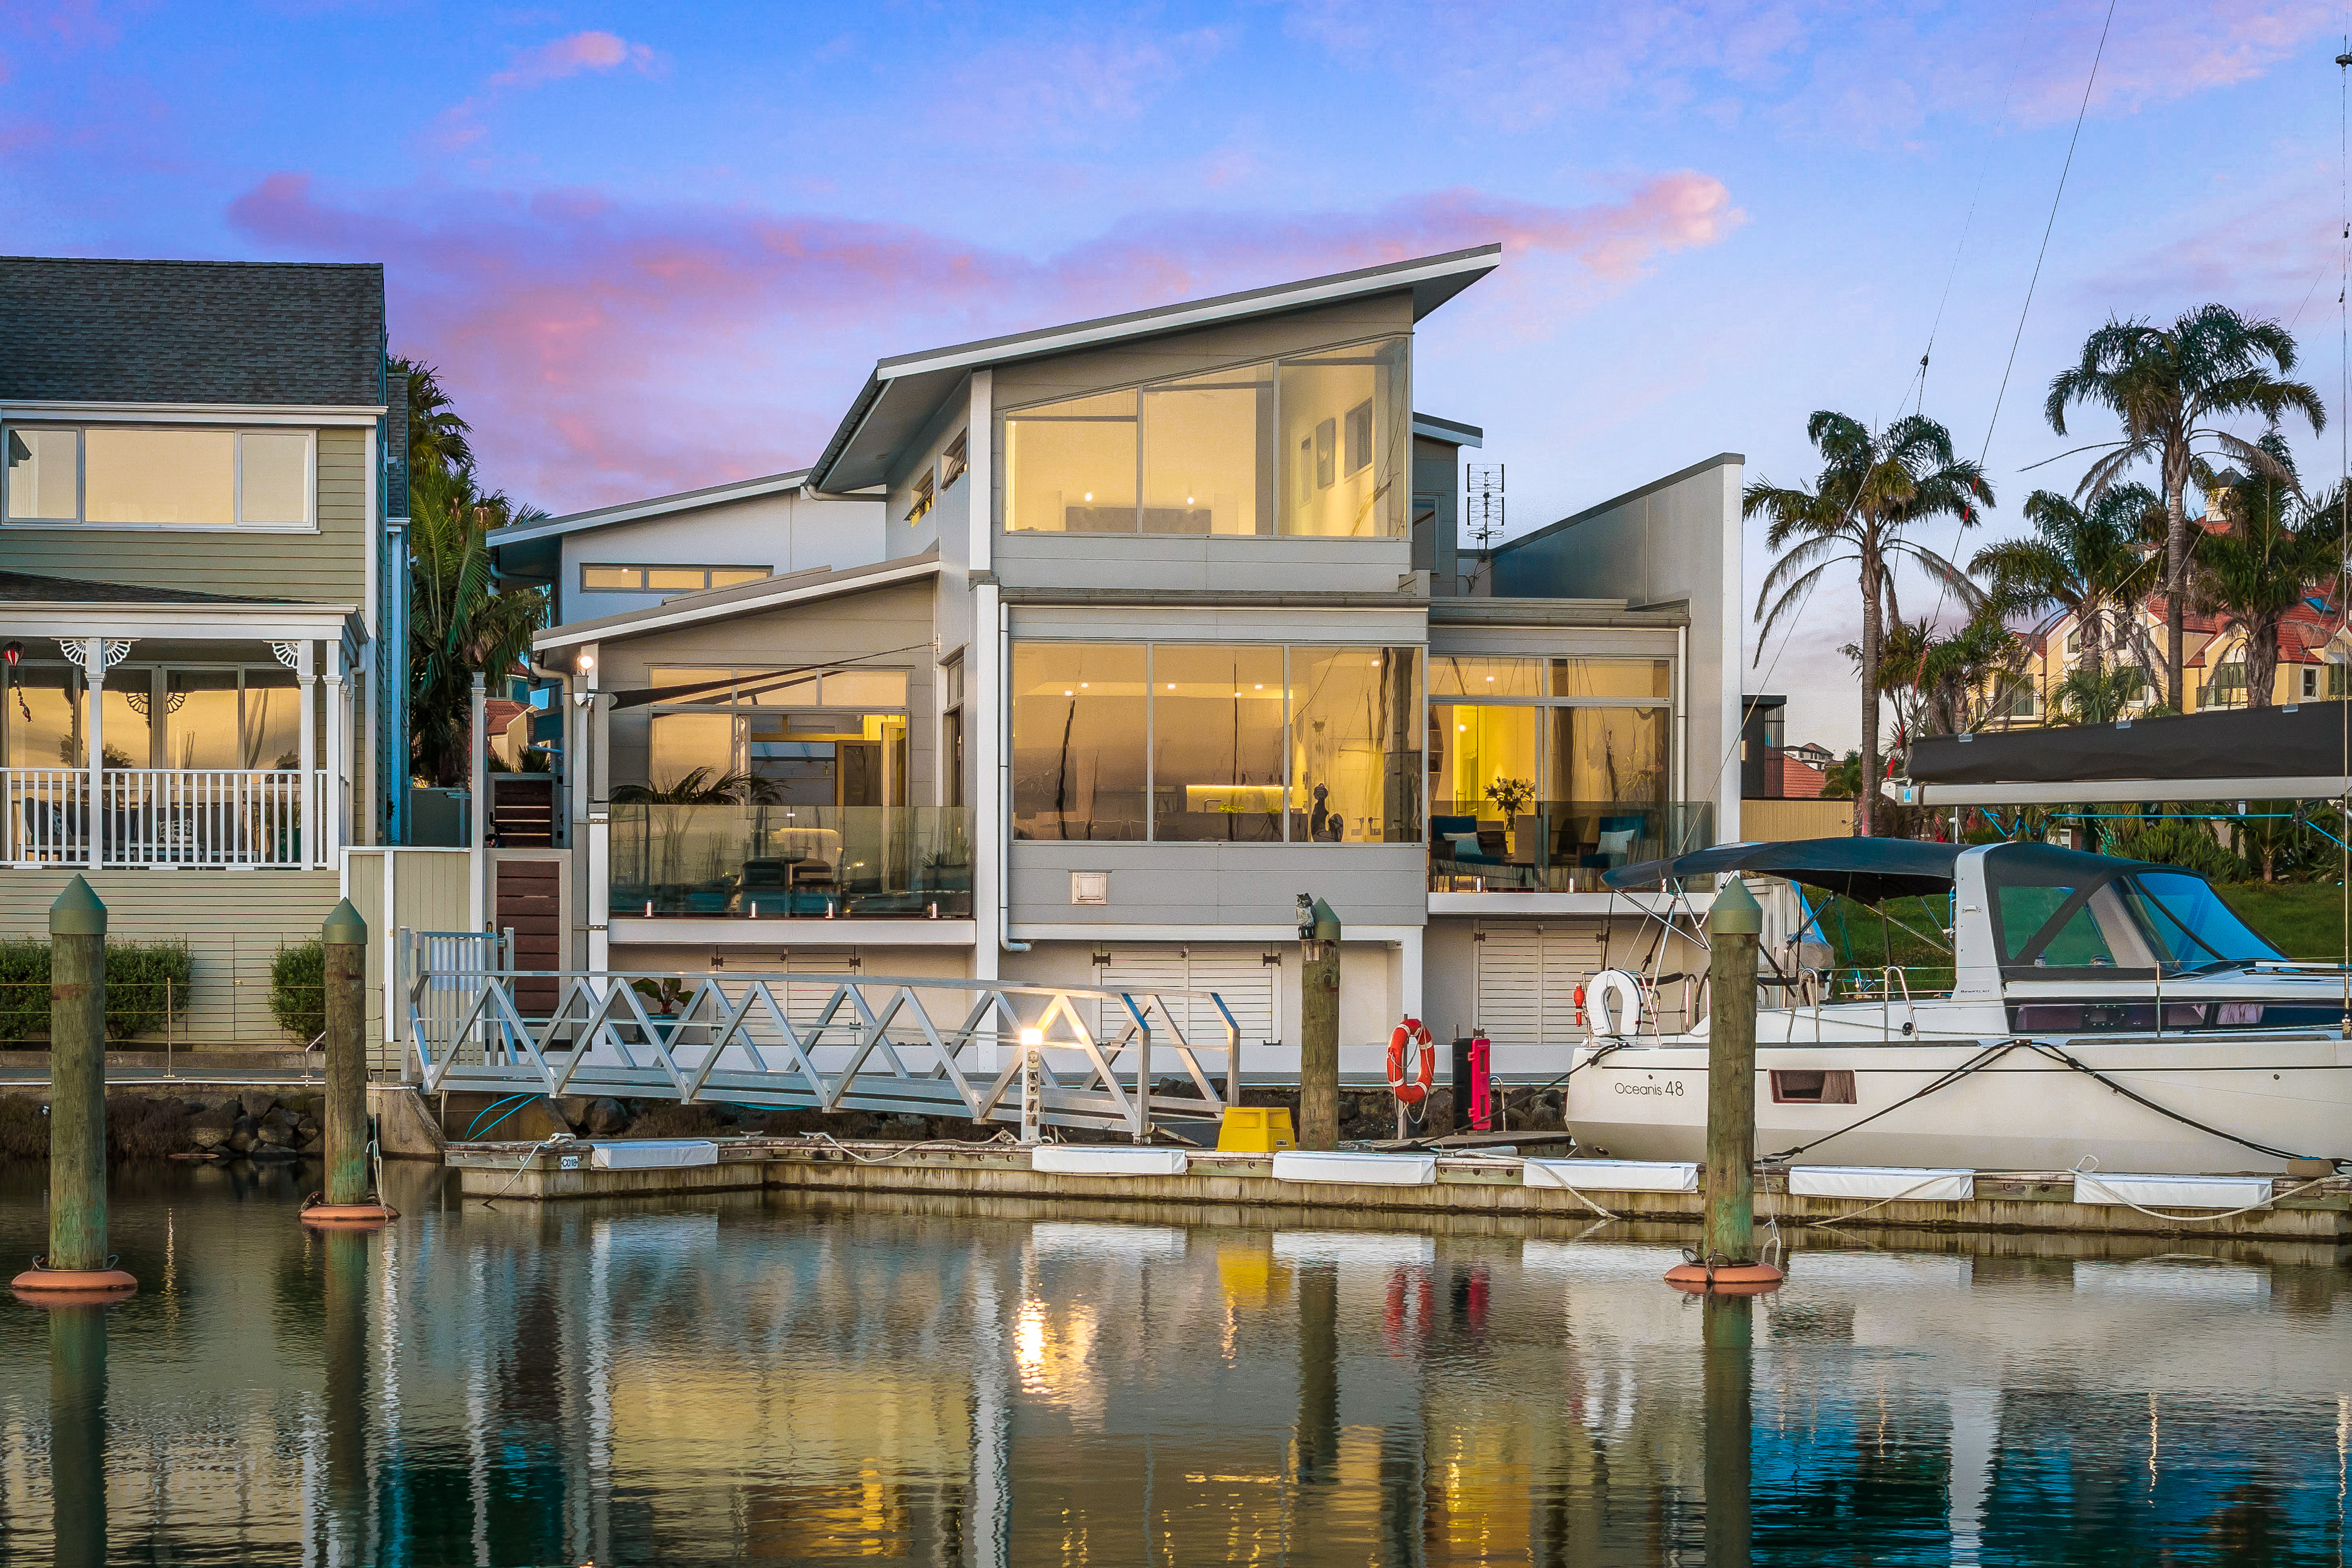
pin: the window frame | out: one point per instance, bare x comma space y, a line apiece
1416, 732
643, 568
1273, 364
236, 431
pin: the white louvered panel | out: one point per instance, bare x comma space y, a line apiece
1509, 986
1140, 970
1572, 955
805, 1002
1246, 983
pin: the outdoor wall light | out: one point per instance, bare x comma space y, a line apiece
1031, 1037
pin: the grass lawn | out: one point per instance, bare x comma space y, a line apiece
2305, 919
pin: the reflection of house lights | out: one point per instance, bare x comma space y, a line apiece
1029, 1338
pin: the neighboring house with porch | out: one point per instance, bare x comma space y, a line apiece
200, 597
1162, 631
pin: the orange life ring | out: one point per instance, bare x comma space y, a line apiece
1410, 1088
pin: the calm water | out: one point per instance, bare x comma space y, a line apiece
773, 1379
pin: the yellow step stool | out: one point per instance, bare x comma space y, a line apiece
1256, 1130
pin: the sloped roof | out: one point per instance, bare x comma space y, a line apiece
32, 587
300, 334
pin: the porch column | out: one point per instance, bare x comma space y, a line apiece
96, 655
331, 836
306, 670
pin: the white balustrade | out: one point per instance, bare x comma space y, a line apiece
155, 817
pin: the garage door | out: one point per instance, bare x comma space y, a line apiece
1242, 980
1527, 982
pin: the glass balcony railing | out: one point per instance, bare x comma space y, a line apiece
1556, 846
736, 861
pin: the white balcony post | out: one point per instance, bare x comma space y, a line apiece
306, 671
93, 664
331, 836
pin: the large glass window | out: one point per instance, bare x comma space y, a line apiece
130, 742
1217, 717
1502, 761
44, 717
1079, 723
1477, 676
1311, 445
1250, 743
271, 734
177, 477
1342, 437
1351, 709
1208, 463
1070, 466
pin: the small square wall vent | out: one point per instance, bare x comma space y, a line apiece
1090, 887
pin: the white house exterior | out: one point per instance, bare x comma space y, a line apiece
1165, 628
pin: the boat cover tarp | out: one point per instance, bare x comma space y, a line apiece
1865, 870
2306, 741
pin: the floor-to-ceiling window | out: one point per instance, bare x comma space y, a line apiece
1315, 444
1228, 743
1543, 763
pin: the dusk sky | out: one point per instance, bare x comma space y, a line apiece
652, 248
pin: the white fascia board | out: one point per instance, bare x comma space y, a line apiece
2112, 792
189, 622
1179, 318
193, 413
657, 507
668, 617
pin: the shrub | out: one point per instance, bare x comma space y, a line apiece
141, 980
297, 990
2177, 840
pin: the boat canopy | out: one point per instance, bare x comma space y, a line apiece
2059, 910
1866, 870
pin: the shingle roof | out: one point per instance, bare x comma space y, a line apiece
300, 333
31, 588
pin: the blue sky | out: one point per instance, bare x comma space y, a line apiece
657, 247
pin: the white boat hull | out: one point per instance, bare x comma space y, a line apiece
2022, 1111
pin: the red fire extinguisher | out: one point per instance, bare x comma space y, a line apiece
1482, 1089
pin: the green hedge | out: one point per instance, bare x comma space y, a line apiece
297, 990
141, 980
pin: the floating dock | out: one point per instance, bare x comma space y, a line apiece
2282, 1208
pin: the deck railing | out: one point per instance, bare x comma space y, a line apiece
155, 816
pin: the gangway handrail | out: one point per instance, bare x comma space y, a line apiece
731, 1039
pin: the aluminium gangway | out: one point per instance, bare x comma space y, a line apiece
921, 1045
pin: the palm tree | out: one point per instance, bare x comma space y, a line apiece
1871, 487
2278, 548
2090, 563
459, 619
1950, 668
2167, 385
438, 436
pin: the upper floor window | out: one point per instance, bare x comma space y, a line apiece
181, 477
1312, 445
616, 578
955, 459
925, 493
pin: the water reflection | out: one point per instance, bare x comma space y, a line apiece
772, 1379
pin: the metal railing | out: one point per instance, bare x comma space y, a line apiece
155, 816
824, 1042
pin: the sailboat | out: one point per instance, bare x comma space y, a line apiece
2105, 1014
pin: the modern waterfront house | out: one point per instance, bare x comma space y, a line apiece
199, 576
1166, 624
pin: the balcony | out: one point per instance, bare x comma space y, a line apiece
1558, 846
739, 861
155, 817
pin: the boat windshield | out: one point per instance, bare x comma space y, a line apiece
2059, 910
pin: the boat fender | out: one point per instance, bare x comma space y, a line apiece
1614, 1005
1410, 1083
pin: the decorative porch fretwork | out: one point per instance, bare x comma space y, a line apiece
112, 650
288, 654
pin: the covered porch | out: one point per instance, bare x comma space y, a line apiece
146, 728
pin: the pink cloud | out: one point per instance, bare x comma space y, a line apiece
460, 125
606, 350
560, 58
